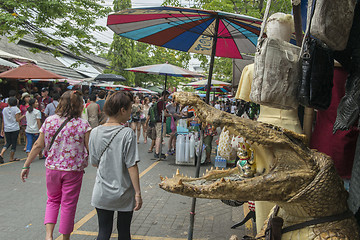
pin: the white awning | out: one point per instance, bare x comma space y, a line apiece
7, 55
6, 63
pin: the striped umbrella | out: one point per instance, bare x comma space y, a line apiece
212, 33
189, 30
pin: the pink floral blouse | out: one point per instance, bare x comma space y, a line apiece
68, 153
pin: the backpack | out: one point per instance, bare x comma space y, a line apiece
153, 113
84, 114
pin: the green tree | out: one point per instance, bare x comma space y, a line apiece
126, 53
70, 19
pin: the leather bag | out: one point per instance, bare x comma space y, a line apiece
332, 22
276, 72
315, 87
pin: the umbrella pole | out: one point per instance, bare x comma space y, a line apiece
198, 162
162, 121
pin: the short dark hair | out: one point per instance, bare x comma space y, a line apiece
102, 94
70, 104
56, 96
116, 101
165, 92
12, 93
92, 97
12, 101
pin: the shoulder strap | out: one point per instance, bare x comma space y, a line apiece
112, 138
57, 132
263, 24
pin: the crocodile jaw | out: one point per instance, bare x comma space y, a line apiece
287, 162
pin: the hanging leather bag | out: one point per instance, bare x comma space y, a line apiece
316, 82
332, 22
276, 71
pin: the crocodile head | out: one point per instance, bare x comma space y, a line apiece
289, 171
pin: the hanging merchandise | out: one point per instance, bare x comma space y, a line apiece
332, 22
187, 149
192, 148
276, 71
317, 62
225, 149
180, 147
349, 106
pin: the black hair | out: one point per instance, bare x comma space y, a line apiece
31, 105
56, 96
165, 92
12, 93
12, 101
92, 97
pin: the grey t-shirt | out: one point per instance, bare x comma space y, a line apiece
113, 189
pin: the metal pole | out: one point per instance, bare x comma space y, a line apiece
198, 163
212, 59
197, 172
162, 121
308, 112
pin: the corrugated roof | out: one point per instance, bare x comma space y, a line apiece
47, 60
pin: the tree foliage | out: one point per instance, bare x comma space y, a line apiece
126, 53
73, 20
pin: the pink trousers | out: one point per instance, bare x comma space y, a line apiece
63, 189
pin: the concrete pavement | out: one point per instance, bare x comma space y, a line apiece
164, 216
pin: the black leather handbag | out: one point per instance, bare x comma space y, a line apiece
317, 75
317, 71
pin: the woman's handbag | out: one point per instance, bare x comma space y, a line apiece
332, 22
316, 82
276, 71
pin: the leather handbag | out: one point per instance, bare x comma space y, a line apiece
332, 22
276, 71
316, 82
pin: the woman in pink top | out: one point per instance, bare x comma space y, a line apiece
65, 161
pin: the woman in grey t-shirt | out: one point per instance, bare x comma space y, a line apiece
113, 150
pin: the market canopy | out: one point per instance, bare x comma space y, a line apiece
188, 29
203, 83
30, 71
165, 69
109, 78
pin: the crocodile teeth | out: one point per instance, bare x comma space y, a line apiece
180, 182
177, 172
211, 168
161, 178
217, 168
207, 170
222, 180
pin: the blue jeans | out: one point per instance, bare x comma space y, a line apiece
31, 138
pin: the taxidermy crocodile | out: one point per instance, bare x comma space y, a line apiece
301, 181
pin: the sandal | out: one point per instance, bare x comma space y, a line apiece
15, 160
1, 160
150, 151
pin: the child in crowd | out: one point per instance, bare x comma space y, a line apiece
33, 119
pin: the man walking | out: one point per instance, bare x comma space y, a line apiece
160, 130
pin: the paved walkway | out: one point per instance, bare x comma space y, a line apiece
163, 215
